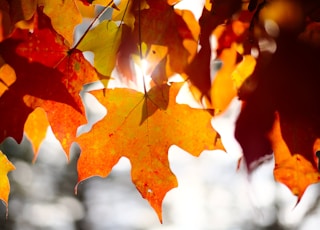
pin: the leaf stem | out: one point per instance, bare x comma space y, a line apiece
91, 24
140, 49
84, 34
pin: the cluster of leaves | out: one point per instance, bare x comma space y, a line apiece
258, 51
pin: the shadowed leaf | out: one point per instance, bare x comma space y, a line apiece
161, 28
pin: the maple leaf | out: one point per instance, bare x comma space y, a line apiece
126, 132
293, 168
49, 75
152, 26
5, 167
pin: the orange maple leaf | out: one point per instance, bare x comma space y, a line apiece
129, 131
292, 169
5, 167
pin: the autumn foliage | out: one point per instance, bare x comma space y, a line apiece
265, 53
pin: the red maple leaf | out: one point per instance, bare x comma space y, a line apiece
48, 75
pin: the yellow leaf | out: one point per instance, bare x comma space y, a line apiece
36, 128
223, 89
103, 41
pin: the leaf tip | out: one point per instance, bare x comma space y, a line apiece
5, 167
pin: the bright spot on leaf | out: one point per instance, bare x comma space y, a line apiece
145, 144
143, 79
144, 66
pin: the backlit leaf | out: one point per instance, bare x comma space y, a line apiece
126, 132
152, 27
103, 41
